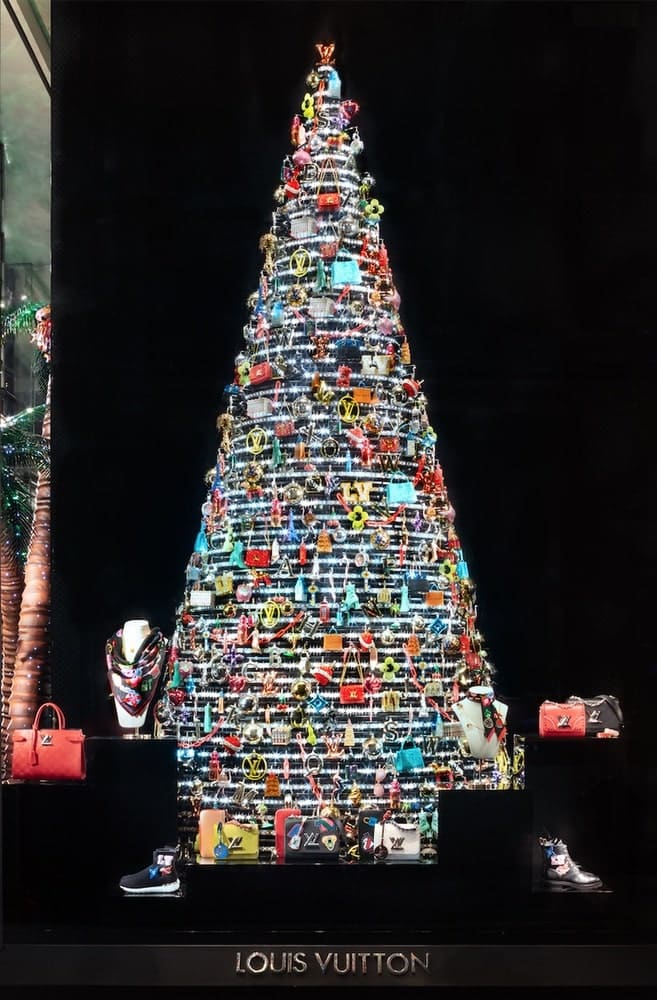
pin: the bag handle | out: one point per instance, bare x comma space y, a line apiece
58, 714
328, 166
34, 756
351, 655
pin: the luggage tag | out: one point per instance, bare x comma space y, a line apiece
221, 850
294, 840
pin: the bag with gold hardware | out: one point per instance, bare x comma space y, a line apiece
237, 842
48, 754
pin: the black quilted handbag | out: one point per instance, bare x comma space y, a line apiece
603, 714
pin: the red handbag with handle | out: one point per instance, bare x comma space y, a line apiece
48, 754
258, 558
352, 694
560, 719
262, 372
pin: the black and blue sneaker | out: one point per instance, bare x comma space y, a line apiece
160, 877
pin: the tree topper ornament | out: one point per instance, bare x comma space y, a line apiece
326, 53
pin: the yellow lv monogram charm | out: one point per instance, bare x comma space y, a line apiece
357, 491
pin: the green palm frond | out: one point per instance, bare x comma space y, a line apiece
23, 454
21, 448
20, 320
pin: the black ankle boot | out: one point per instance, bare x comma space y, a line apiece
560, 872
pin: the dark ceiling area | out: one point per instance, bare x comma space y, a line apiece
514, 147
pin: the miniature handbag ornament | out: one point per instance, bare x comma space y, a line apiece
352, 693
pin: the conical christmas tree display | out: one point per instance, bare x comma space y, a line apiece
326, 657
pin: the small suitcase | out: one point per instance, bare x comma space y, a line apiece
208, 834
279, 830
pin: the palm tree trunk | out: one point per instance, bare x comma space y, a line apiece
31, 678
11, 589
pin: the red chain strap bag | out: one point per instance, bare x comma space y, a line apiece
48, 754
328, 201
352, 694
558, 719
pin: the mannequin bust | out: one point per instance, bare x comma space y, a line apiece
468, 710
135, 655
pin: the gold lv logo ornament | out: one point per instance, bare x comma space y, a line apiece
269, 614
254, 767
256, 440
348, 409
300, 262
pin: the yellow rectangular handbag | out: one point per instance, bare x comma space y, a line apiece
238, 842
209, 822
362, 394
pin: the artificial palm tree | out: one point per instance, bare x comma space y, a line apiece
23, 454
26, 669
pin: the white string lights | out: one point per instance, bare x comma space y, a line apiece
331, 622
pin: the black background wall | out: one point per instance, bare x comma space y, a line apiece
515, 148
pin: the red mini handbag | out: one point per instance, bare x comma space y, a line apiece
558, 719
258, 558
48, 754
352, 694
262, 372
328, 202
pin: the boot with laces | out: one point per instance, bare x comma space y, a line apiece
560, 872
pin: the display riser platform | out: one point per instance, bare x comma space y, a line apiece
88, 834
474, 912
